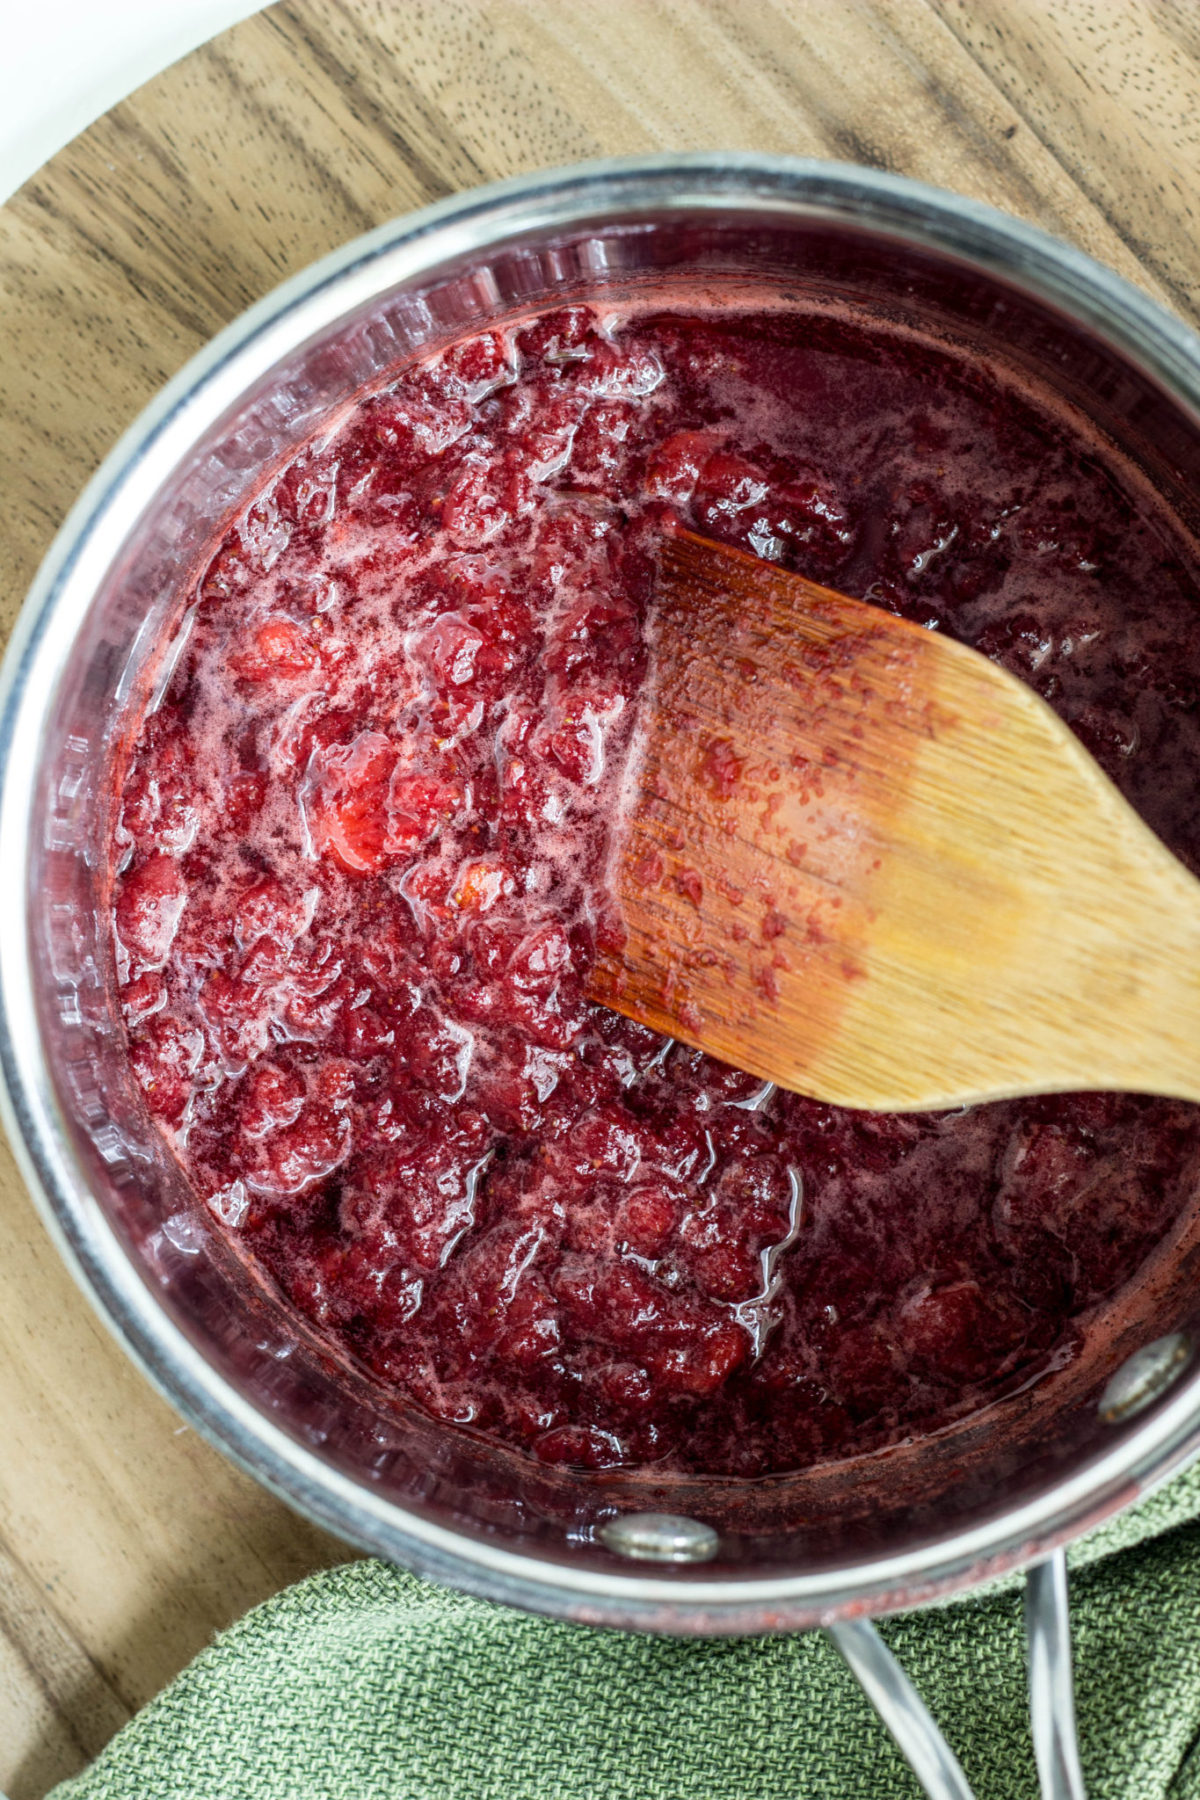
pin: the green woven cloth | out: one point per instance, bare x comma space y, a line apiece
365, 1684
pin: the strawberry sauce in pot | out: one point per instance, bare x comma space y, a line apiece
361, 859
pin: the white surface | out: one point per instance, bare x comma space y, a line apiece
64, 62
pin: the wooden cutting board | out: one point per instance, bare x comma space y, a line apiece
125, 1542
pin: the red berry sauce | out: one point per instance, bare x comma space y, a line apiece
361, 862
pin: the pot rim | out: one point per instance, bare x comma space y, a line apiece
210, 384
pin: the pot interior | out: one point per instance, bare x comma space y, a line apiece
834, 1516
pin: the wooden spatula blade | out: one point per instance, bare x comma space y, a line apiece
865, 863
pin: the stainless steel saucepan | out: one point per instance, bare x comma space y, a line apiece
829, 1546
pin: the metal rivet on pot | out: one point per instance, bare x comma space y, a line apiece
660, 1537
1145, 1375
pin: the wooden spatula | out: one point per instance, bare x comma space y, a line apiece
863, 862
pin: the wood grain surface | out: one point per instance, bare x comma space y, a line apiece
124, 1541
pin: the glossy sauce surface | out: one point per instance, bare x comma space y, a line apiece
362, 854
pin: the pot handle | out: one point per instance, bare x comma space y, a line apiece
1051, 1685
1051, 1694
901, 1708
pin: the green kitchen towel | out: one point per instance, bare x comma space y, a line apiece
364, 1683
